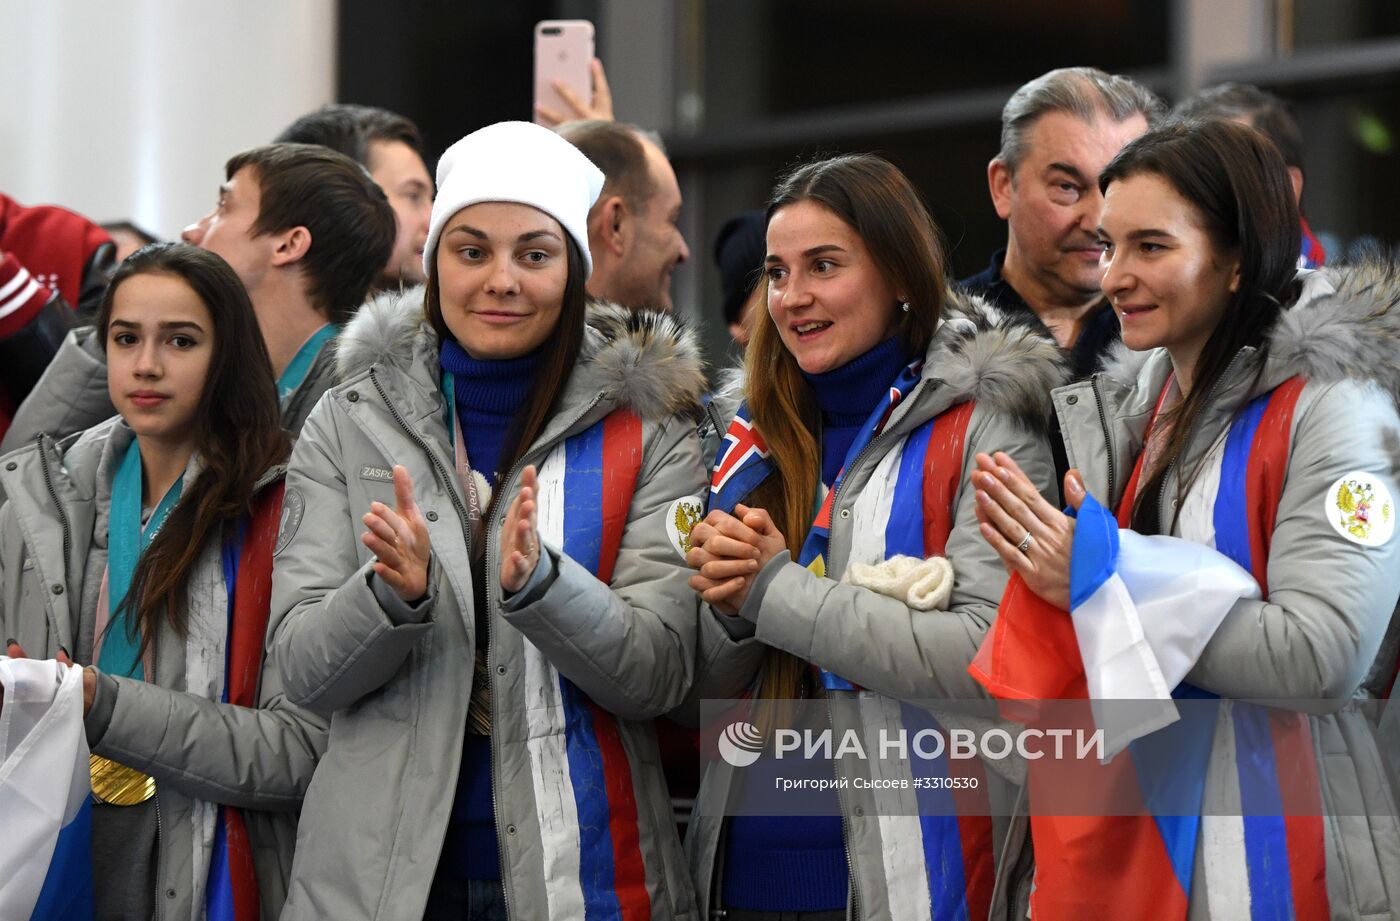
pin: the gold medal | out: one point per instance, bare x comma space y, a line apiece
118, 785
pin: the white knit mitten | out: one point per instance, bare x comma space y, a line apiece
924, 585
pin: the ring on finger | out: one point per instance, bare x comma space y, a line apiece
1025, 543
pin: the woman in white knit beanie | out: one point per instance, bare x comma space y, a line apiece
483, 580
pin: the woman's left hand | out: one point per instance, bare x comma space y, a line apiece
1033, 538
520, 541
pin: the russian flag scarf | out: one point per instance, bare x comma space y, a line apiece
581, 762
231, 893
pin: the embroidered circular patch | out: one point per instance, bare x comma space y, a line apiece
293, 510
1360, 508
683, 515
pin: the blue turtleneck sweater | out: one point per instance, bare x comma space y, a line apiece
488, 395
849, 394
798, 863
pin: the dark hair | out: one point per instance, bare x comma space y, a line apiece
351, 224
238, 431
1238, 183
616, 149
872, 196
1265, 113
350, 129
558, 356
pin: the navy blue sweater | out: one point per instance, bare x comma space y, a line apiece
488, 395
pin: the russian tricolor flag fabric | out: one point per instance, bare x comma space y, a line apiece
581, 766
46, 854
1143, 610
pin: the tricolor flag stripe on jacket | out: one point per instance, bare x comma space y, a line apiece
584, 792
1283, 855
902, 854
231, 892
905, 509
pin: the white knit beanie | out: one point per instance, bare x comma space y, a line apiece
517, 162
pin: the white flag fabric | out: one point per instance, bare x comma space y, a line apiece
45, 801
1144, 608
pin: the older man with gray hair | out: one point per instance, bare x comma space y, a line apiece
1058, 132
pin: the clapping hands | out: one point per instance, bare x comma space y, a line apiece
727, 551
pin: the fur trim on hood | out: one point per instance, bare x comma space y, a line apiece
1345, 325
1002, 360
649, 361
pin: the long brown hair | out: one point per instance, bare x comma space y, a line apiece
238, 432
558, 356
872, 196
1239, 185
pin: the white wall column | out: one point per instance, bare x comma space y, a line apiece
129, 109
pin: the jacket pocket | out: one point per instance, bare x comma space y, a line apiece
352, 813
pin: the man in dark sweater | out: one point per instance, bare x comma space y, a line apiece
1058, 132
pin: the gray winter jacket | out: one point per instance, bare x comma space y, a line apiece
397, 692
877, 642
53, 552
72, 394
1325, 634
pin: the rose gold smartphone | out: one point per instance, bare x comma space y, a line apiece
563, 51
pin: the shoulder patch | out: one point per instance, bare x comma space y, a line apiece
684, 514
1360, 508
293, 511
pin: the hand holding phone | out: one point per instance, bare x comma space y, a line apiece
569, 81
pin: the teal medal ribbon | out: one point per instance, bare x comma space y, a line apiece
302, 361
126, 541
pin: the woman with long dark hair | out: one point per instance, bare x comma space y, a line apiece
1249, 426
841, 552
482, 581
142, 549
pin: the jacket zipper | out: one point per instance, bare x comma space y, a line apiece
488, 530
1107, 439
1186, 443
160, 859
62, 512
486, 570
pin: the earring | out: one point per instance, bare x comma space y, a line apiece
904, 306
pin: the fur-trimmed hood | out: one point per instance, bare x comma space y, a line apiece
1344, 325
1003, 360
647, 361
